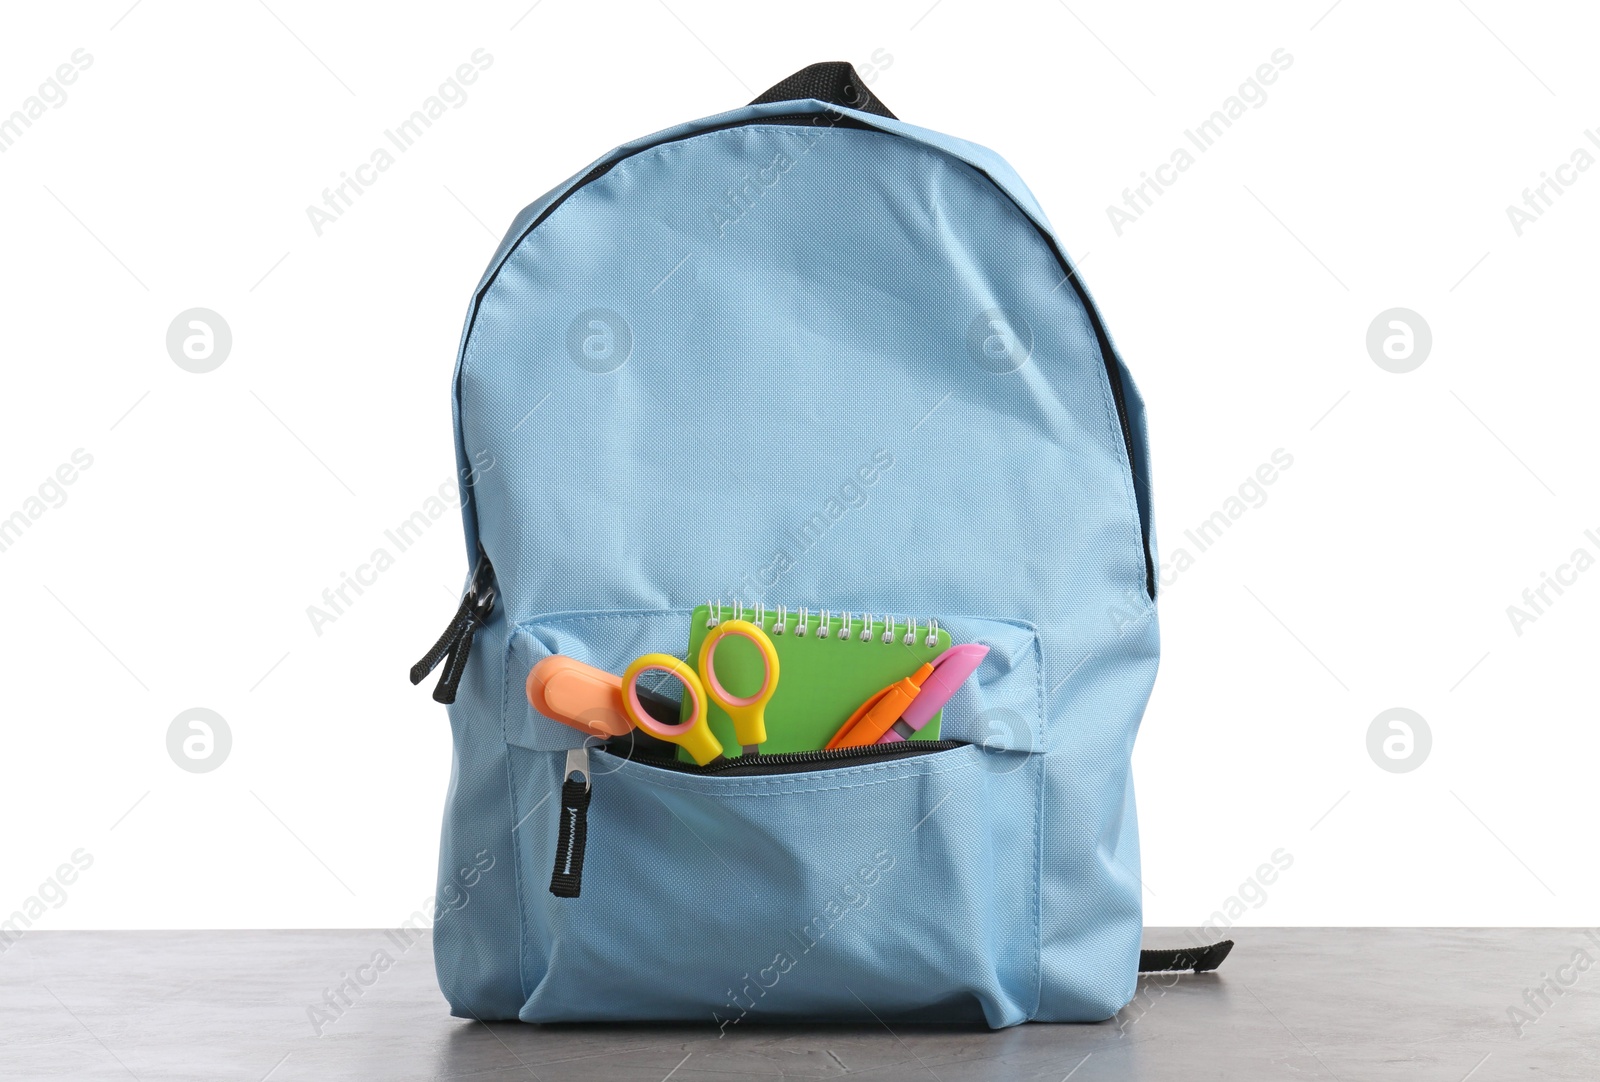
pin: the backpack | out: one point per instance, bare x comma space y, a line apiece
799, 354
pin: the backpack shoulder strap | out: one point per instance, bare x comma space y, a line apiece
1182, 959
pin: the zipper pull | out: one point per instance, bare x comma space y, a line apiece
456, 642
567, 877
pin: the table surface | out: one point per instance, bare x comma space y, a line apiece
1291, 1003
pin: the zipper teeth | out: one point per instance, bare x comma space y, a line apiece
902, 749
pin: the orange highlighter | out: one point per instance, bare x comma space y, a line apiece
873, 717
899, 711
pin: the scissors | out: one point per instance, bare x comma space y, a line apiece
701, 688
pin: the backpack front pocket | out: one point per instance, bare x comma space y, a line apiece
901, 883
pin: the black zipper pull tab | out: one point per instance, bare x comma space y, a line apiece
456, 642
567, 877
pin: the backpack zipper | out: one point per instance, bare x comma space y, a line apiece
573, 834
789, 762
566, 878
456, 642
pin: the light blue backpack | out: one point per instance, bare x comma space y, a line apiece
800, 353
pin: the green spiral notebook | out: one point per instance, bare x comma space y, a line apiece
821, 678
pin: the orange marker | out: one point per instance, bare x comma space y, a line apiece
873, 717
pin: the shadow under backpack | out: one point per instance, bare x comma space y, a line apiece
800, 352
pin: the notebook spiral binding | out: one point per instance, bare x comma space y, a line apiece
776, 623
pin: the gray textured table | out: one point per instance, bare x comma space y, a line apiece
1304, 1003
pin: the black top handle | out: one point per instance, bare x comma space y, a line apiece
833, 81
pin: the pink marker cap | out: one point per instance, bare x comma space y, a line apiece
950, 671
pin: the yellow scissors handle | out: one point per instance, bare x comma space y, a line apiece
748, 712
693, 734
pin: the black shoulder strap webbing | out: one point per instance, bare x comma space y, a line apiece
1182, 959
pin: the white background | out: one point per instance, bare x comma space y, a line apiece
219, 506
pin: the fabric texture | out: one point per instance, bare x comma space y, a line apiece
804, 364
